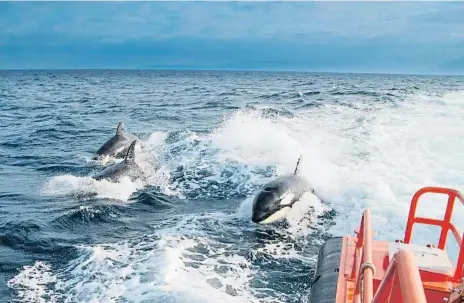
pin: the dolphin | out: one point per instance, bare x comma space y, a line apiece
127, 167
116, 146
275, 199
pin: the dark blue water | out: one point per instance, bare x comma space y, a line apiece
214, 138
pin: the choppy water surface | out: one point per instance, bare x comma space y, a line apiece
212, 139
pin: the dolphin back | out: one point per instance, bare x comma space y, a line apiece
130, 155
107, 146
297, 167
127, 167
120, 129
118, 145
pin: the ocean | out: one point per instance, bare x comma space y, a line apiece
212, 139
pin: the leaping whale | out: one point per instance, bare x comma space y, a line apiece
116, 146
127, 167
275, 199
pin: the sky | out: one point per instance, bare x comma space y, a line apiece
391, 37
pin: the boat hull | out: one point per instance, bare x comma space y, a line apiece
324, 285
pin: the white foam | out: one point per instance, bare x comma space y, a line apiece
31, 284
82, 186
155, 267
406, 147
202, 283
252, 140
303, 214
156, 139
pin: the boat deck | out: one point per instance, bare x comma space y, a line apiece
433, 264
400, 271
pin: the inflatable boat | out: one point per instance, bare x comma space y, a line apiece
359, 269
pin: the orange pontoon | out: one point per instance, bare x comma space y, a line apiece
361, 270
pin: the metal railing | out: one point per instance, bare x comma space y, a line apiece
445, 224
402, 269
404, 272
364, 268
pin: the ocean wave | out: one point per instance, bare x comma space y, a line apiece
85, 215
185, 234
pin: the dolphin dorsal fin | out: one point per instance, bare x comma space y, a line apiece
120, 128
297, 168
130, 156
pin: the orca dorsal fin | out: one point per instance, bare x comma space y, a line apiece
130, 156
120, 128
297, 168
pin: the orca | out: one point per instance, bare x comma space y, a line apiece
275, 199
127, 167
116, 146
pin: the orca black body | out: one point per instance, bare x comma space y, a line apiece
276, 198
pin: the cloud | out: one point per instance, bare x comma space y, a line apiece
277, 34
225, 19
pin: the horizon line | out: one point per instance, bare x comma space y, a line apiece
238, 70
